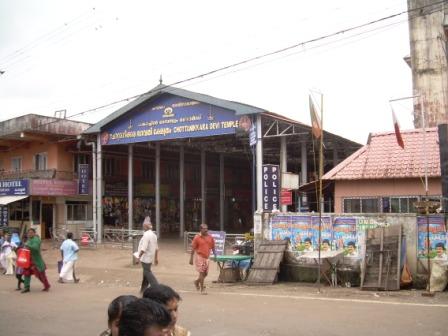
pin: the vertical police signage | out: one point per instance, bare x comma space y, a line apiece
83, 179
270, 187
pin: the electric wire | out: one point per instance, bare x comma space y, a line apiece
252, 59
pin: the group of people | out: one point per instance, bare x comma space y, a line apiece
148, 252
154, 314
24, 259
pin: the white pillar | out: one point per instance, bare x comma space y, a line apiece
182, 191
99, 187
130, 186
203, 186
158, 188
222, 191
94, 191
259, 151
283, 164
304, 164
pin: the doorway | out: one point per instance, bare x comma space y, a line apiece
47, 220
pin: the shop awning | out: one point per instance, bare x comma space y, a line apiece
9, 199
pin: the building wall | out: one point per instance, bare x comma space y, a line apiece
392, 187
428, 44
58, 157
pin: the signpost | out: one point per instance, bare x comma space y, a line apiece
83, 179
271, 174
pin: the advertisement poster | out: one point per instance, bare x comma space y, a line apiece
302, 234
4, 217
437, 237
220, 240
280, 227
345, 235
326, 232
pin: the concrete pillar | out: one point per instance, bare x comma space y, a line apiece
130, 186
283, 164
181, 191
259, 152
203, 186
157, 191
99, 187
222, 191
304, 166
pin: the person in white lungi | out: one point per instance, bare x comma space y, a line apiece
7, 255
69, 252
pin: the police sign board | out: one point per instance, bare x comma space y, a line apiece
271, 176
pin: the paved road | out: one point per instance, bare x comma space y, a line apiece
237, 310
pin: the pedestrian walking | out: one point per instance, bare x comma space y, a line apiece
7, 255
19, 270
202, 244
69, 254
148, 255
37, 266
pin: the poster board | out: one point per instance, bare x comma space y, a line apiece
220, 241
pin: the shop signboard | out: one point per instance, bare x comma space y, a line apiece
326, 230
170, 117
220, 241
345, 235
4, 215
54, 188
286, 197
83, 180
14, 188
270, 187
435, 224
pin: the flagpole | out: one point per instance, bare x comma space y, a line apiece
321, 159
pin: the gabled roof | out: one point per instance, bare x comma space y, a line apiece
383, 158
239, 108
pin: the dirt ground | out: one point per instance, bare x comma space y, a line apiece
228, 309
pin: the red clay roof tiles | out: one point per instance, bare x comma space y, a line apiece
383, 158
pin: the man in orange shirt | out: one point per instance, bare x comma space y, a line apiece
202, 244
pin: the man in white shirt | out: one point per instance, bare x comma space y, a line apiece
148, 255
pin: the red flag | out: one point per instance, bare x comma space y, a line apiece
397, 130
315, 120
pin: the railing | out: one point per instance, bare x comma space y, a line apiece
122, 237
84, 237
38, 174
231, 240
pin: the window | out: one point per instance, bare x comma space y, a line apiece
80, 159
361, 205
402, 204
148, 170
16, 164
78, 211
19, 210
40, 161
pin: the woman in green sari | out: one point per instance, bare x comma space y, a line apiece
37, 266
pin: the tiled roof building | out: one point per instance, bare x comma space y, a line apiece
383, 174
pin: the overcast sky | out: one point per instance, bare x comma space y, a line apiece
79, 55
